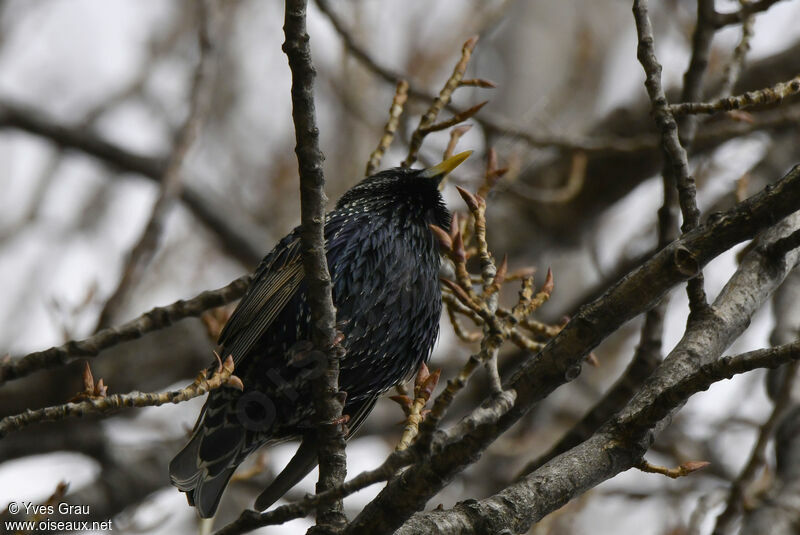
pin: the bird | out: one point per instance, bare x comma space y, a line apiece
384, 264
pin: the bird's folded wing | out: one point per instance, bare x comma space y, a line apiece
274, 284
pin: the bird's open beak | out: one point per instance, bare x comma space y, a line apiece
440, 170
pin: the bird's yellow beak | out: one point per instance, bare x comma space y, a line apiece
440, 170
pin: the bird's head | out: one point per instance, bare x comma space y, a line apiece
405, 192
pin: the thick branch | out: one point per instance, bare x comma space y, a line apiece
560, 361
691, 367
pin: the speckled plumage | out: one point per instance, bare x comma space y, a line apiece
384, 265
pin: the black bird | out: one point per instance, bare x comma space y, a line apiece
384, 264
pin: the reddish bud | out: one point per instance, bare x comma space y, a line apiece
455, 225
473, 202
445, 242
429, 385
422, 375
548, 282
459, 292
100, 389
692, 466
88, 379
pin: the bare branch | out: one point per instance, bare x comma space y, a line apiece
328, 402
395, 111
426, 122
751, 8
751, 99
109, 404
734, 67
676, 154
155, 319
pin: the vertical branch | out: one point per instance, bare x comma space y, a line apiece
171, 188
677, 161
687, 128
327, 403
734, 68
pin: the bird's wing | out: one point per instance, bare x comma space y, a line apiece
274, 283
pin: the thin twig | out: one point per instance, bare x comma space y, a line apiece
250, 520
680, 471
113, 403
676, 154
439, 103
736, 64
760, 97
155, 319
395, 111
424, 384
454, 120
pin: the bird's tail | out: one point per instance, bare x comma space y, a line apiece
204, 466
304, 460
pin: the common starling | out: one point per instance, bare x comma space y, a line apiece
384, 264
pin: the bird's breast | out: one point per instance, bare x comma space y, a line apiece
388, 305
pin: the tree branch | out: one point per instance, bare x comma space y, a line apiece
113, 403
560, 361
328, 403
692, 366
665, 121
751, 99
155, 319
748, 9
